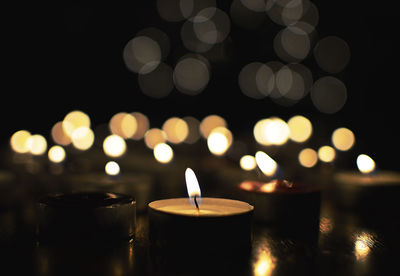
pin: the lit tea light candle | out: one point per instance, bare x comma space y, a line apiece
218, 227
367, 190
281, 201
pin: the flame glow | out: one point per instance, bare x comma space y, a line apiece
114, 145
56, 154
192, 186
266, 164
365, 163
163, 153
219, 140
266, 262
248, 162
362, 245
272, 131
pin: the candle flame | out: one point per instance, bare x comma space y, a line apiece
266, 164
365, 163
193, 187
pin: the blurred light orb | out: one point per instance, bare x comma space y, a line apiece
143, 125
158, 83
343, 139
176, 129
73, 120
114, 146
266, 79
248, 162
219, 140
308, 157
56, 154
160, 37
271, 131
326, 154
329, 94
18, 141
82, 138
123, 124
142, 55
332, 54
266, 164
292, 44
193, 130
112, 168
294, 81
36, 144
249, 83
300, 128
211, 25
154, 136
211, 122
191, 76
190, 39
163, 153
59, 136
365, 163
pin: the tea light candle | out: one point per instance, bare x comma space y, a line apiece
281, 201
368, 190
209, 229
86, 216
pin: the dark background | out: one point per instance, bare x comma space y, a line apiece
68, 55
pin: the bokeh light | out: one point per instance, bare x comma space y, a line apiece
271, 131
158, 83
209, 123
248, 162
176, 130
219, 140
292, 44
59, 136
114, 146
36, 144
73, 120
191, 75
329, 94
158, 36
308, 158
143, 125
266, 164
18, 141
363, 244
123, 124
163, 153
82, 138
343, 139
326, 154
154, 136
112, 168
56, 154
266, 79
249, 84
300, 128
332, 54
142, 55
194, 130
211, 25
365, 163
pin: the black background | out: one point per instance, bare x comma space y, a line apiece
68, 55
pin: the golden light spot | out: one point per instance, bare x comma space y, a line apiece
308, 158
163, 153
56, 154
219, 140
266, 164
300, 128
325, 225
59, 135
154, 136
82, 138
123, 124
247, 185
362, 245
176, 129
209, 123
114, 145
142, 125
343, 139
326, 153
18, 141
265, 264
112, 168
272, 131
268, 187
248, 162
365, 163
74, 120
36, 144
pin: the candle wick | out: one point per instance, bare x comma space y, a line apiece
195, 202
